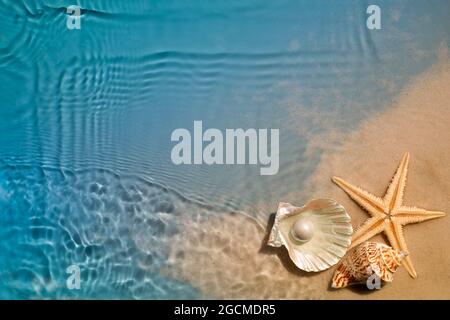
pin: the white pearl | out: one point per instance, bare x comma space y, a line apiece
303, 229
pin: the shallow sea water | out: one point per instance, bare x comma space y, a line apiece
86, 117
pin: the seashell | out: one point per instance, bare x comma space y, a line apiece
365, 260
316, 235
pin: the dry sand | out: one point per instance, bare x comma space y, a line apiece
225, 257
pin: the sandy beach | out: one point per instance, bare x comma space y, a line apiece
226, 257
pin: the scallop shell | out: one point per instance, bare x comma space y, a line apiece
368, 258
324, 244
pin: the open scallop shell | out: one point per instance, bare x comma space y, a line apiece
321, 247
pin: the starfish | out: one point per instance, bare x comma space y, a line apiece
388, 214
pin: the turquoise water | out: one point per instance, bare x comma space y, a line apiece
86, 116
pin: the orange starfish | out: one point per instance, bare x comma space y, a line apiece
388, 214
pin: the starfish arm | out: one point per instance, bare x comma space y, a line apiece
406, 215
394, 233
367, 230
374, 205
394, 195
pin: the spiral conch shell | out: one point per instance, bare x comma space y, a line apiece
316, 235
365, 260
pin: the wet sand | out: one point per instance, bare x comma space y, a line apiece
225, 257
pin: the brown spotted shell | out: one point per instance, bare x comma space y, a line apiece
363, 261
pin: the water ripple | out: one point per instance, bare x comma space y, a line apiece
114, 228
